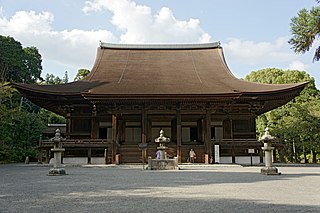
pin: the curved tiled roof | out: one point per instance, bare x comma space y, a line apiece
161, 71
169, 69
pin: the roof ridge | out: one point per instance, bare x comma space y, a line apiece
161, 46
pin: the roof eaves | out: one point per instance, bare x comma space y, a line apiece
293, 87
25, 87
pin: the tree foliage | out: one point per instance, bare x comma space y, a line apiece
82, 74
20, 132
18, 64
65, 78
22, 122
305, 28
51, 117
298, 122
51, 79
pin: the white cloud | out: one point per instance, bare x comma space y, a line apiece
298, 65
77, 47
250, 52
71, 47
26, 21
139, 25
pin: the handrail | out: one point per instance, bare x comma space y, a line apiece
234, 140
77, 142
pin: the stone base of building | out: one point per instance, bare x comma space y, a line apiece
57, 171
270, 171
162, 164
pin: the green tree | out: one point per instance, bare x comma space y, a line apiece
9, 97
18, 64
82, 74
33, 63
51, 117
65, 78
11, 59
20, 132
305, 28
51, 79
298, 122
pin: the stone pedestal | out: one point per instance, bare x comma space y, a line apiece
270, 171
162, 164
57, 171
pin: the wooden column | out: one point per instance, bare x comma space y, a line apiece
144, 121
179, 134
114, 136
94, 123
89, 155
233, 154
68, 127
208, 133
94, 128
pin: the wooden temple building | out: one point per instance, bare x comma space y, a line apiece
134, 91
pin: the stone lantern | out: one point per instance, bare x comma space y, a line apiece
161, 141
267, 139
161, 162
57, 152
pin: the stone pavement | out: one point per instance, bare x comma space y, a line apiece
128, 188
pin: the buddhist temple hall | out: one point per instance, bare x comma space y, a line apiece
134, 91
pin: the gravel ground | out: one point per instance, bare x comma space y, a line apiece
128, 188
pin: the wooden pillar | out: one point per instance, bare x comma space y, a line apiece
121, 129
179, 134
114, 136
94, 128
47, 155
68, 126
144, 121
233, 154
89, 155
94, 123
208, 133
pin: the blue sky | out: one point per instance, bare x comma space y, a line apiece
254, 34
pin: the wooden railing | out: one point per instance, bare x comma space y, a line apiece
99, 143
242, 142
237, 142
